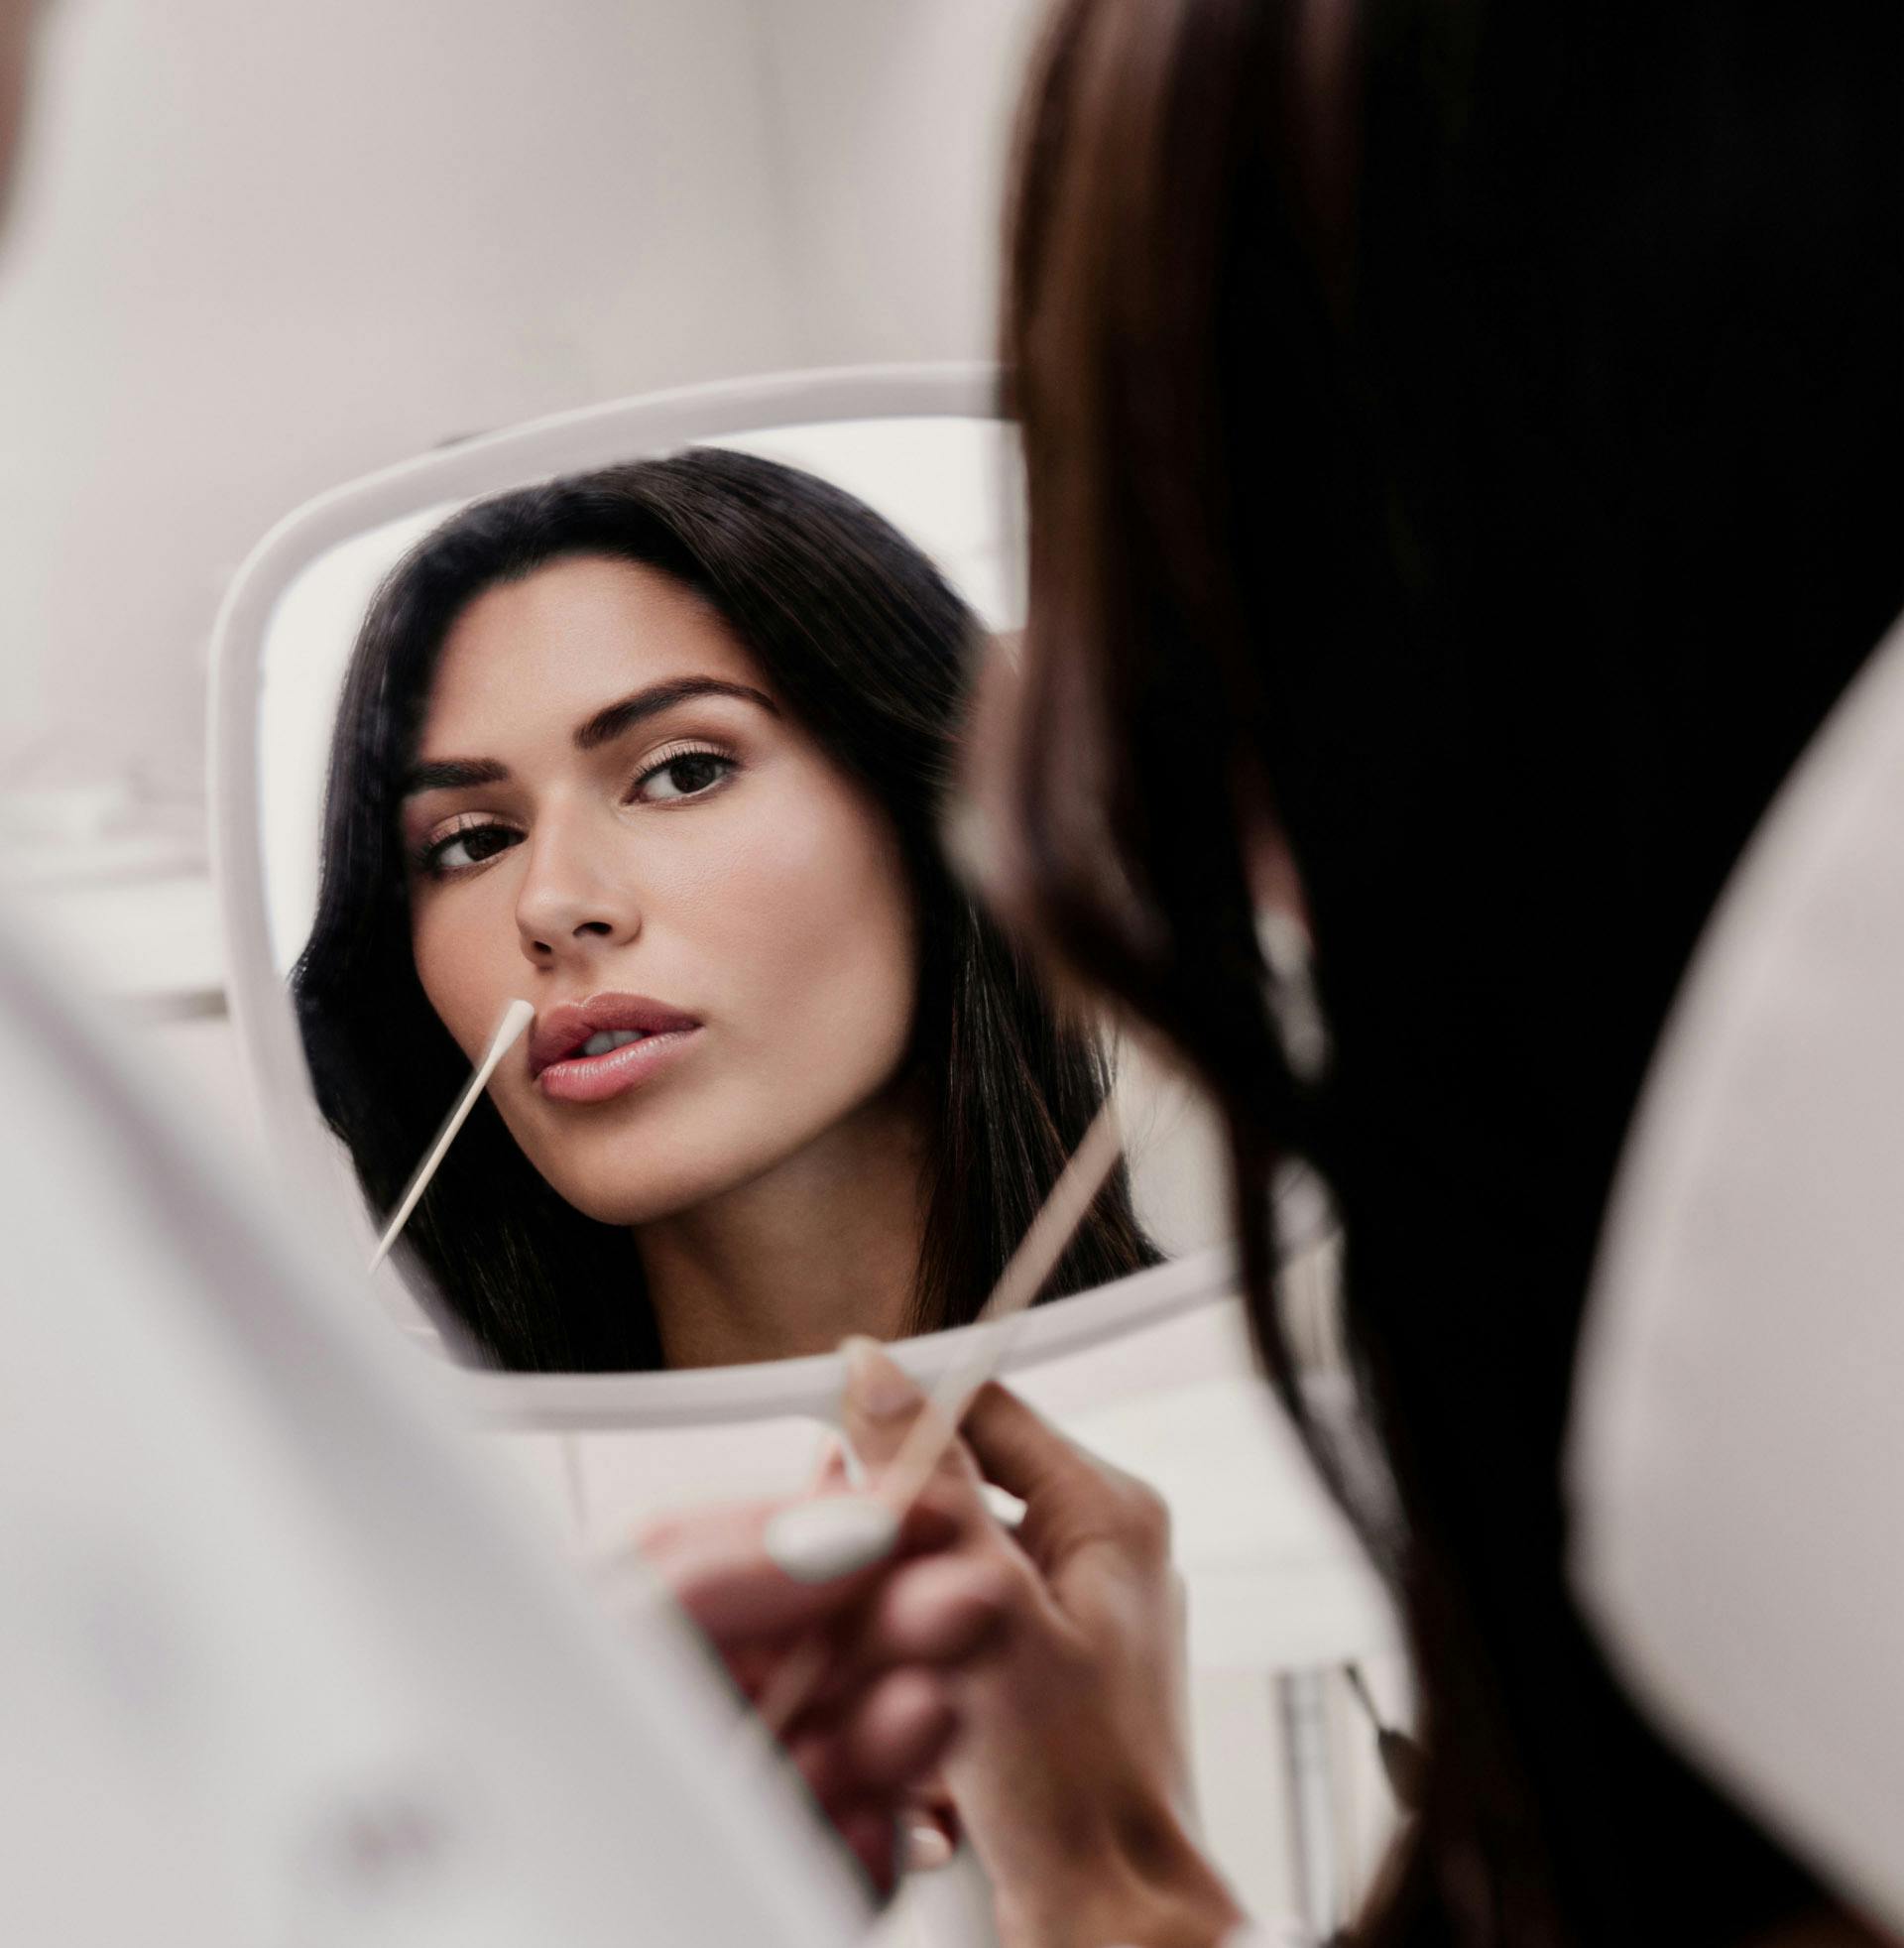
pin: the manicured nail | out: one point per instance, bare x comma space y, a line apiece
926, 1849
874, 1384
815, 1541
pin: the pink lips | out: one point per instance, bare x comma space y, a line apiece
564, 1073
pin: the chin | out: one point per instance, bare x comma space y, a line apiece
635, 1175
621, 1202
613, 1193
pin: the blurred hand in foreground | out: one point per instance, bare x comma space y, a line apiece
885, 1644
1070, 1773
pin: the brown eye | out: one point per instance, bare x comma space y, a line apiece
684, 776
472, 846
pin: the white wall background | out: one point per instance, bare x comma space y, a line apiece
262, 249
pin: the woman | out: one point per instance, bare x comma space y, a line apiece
1464, 459
661, 749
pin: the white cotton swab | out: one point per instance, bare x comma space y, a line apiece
515, 1017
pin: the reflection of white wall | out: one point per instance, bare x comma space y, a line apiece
951, 486
261, 250
306, 655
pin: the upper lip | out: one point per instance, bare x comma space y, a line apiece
565, 1027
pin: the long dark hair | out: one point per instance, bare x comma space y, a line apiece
1471, 446
869, 648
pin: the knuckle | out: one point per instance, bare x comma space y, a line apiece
987, 1572
1144, 1518
1022, 1588
944, 1499
994, 1584
988, 1399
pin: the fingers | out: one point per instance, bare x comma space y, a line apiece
931, 1842
946, 1615
881, 1409
718, 1567
879, 1405
870, 1836
1013, 1446
901, 1729
834, 1474
1021, 1451
893, 1639
945, 1610
1068, 1493
879, 1742
863, 1768
1071, 1497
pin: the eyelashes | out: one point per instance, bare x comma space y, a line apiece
676, 775
474, 834
682, 771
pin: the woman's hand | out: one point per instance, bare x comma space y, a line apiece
1070, 1773
895, 1635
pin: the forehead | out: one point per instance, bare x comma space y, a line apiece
546, 653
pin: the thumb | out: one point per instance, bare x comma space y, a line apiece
1070, 1496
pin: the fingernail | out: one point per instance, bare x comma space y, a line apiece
815, 1541
874, 1384
926, 1849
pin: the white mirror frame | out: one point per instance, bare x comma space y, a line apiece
259, 1000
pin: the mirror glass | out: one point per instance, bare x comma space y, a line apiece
735, 920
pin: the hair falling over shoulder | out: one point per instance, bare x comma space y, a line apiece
1462, 449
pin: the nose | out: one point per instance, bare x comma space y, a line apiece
576, 894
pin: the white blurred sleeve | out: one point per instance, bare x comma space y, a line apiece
278, 1662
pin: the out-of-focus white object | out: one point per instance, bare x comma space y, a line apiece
277, 1663
149, 946
1738, 1449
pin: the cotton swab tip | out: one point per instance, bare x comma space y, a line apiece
515, 1017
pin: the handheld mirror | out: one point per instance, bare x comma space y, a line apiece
922, 453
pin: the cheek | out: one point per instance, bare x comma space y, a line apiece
819, 914
464, 973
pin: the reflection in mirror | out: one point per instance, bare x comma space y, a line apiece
663, 749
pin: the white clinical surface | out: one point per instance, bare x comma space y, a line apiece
1738, 1453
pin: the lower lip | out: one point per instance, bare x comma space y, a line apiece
597, 1078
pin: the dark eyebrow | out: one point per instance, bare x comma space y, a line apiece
610, 723
452, 774
607, 723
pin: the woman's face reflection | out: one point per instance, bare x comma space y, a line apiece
611, 815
